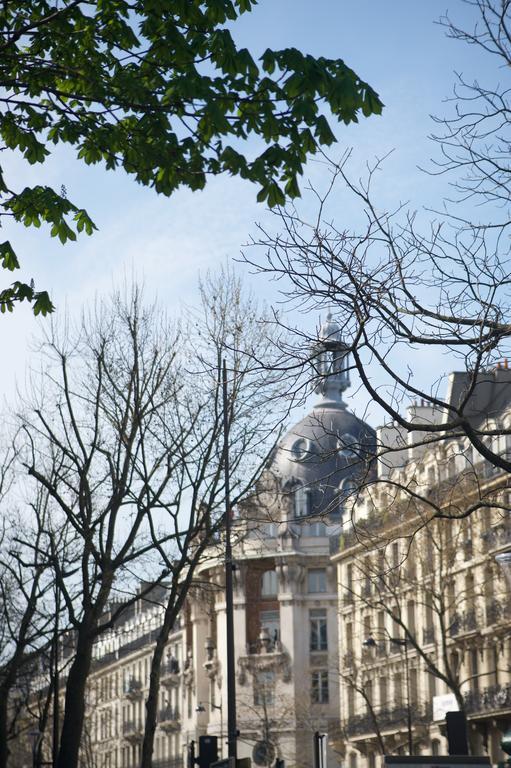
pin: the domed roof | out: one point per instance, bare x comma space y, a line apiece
330, 447
326, 447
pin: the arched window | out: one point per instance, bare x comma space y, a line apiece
302, 501
348, 446
346, 496
269, 585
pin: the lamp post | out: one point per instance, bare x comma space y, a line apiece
370, 642
232, 731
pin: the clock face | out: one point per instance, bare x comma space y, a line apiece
263, 753
300, 449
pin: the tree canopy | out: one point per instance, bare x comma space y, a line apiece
160, 89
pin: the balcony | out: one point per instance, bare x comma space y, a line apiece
133, 689
264, 657
387, 719
463, 623
491, 699
497, 611
168, 717
170, 673
133, 731
496, 537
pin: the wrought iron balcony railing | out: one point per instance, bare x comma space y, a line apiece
462, 623
493, 698
132, 730
168, 717
386, 718
133, 688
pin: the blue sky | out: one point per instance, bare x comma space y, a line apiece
393, 44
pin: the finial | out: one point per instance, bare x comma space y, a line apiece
332, 357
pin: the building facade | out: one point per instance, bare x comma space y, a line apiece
424, 620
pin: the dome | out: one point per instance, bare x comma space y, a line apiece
328, 449
322, 457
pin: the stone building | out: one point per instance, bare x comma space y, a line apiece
424, 622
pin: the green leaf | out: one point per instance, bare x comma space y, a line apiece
8, 257
162, 90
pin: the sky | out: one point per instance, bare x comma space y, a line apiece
395, 45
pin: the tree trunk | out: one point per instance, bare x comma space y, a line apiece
4, 750
74, 709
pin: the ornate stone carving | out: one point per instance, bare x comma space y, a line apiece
188, 674
275, 659
291, 576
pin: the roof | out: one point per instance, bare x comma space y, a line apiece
324, 450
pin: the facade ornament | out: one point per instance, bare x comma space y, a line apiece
275, 659
291, 576
188, 675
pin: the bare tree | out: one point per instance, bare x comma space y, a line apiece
228, 325
27, 598
98, 444
404, 292
474, 135
123, 436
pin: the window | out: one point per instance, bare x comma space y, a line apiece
349, 580
410, 612
318, 630
368, 695
302, 501
270, 621
398, 689
351, 702
347, 446
383, 692
269, 586
319, 687
316, 580
315, 529
264, 687
414, 686
347, 496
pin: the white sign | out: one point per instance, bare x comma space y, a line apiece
443, 704
431, 761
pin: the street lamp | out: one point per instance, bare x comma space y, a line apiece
370, 642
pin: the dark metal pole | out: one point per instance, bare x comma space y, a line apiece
408, 702
229, 612
56, 684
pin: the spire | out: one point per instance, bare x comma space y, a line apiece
331, 364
